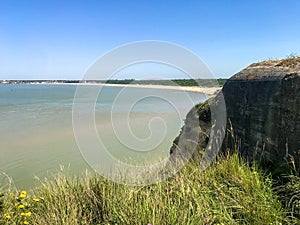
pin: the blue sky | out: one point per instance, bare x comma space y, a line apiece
61, 39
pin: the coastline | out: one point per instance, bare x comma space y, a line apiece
204, 90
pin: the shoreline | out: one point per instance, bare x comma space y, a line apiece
204, 90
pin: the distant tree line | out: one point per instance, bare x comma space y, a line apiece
173, 82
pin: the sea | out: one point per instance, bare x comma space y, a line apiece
37, 137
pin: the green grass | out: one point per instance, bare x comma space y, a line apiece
228, 192
288, 190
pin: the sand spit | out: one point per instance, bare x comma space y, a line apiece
204, 90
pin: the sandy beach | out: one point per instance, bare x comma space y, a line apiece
204, 90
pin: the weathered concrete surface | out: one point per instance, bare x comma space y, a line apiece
194, 134
263, 110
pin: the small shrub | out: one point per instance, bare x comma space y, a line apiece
290, 61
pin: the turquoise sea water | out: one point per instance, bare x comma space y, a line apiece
36, 132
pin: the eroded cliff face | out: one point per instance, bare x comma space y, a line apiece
263, 115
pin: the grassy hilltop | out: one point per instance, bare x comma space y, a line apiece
228, 192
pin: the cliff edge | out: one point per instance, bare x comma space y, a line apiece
263, 116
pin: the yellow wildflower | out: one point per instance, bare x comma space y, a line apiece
36, 199
21, 206
7, 216
22, 214
28, 214
26, 222
23, 194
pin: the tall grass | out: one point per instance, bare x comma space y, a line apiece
288, 190
229, 192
